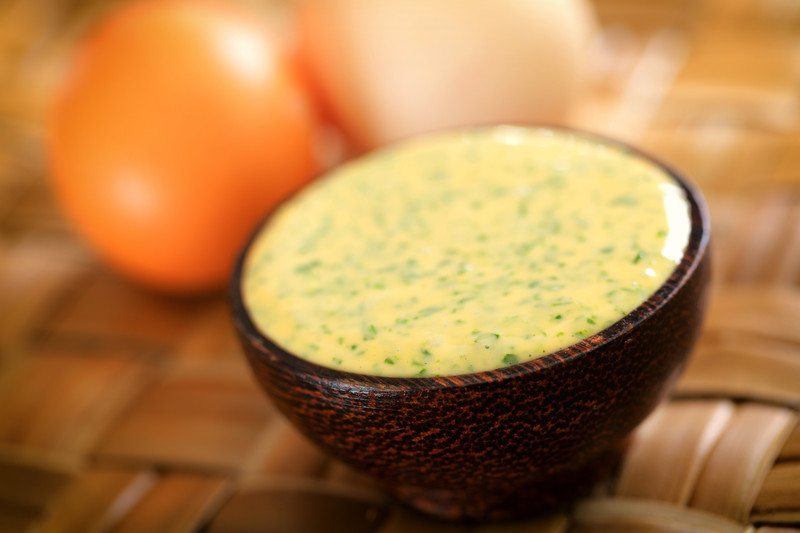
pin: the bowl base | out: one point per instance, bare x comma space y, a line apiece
526, 501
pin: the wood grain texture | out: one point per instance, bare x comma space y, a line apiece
765, 311
710, 86
31, 271
744, 368
283, 451
31, 479
62, 400
791, 448
781, 488
735, 471
136, 316
177, 502
669, 449
96, 500
646, 516
300, 506
197, 416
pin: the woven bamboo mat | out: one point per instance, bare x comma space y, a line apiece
123, 410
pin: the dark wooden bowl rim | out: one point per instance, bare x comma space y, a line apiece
693, 254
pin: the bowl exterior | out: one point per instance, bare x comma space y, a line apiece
492, 448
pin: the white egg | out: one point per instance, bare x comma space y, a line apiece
387, 69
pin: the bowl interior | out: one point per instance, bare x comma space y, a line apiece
693, 254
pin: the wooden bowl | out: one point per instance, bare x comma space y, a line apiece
501, 443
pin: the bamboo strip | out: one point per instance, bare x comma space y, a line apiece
781, 488
670, 448
631, 515
729, 483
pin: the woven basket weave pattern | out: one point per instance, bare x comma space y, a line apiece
123, 410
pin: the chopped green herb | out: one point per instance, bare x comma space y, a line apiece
370, 332
525, 248
510, 359
428, 311
307, 267
625, 200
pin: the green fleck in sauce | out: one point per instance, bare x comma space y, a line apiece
465, 251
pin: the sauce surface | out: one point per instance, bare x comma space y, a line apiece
465, 251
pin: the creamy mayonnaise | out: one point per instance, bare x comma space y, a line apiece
465, 251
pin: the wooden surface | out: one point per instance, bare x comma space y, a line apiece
123, 410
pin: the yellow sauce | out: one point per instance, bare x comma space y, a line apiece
464, 251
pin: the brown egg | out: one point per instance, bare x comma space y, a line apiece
178, 125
